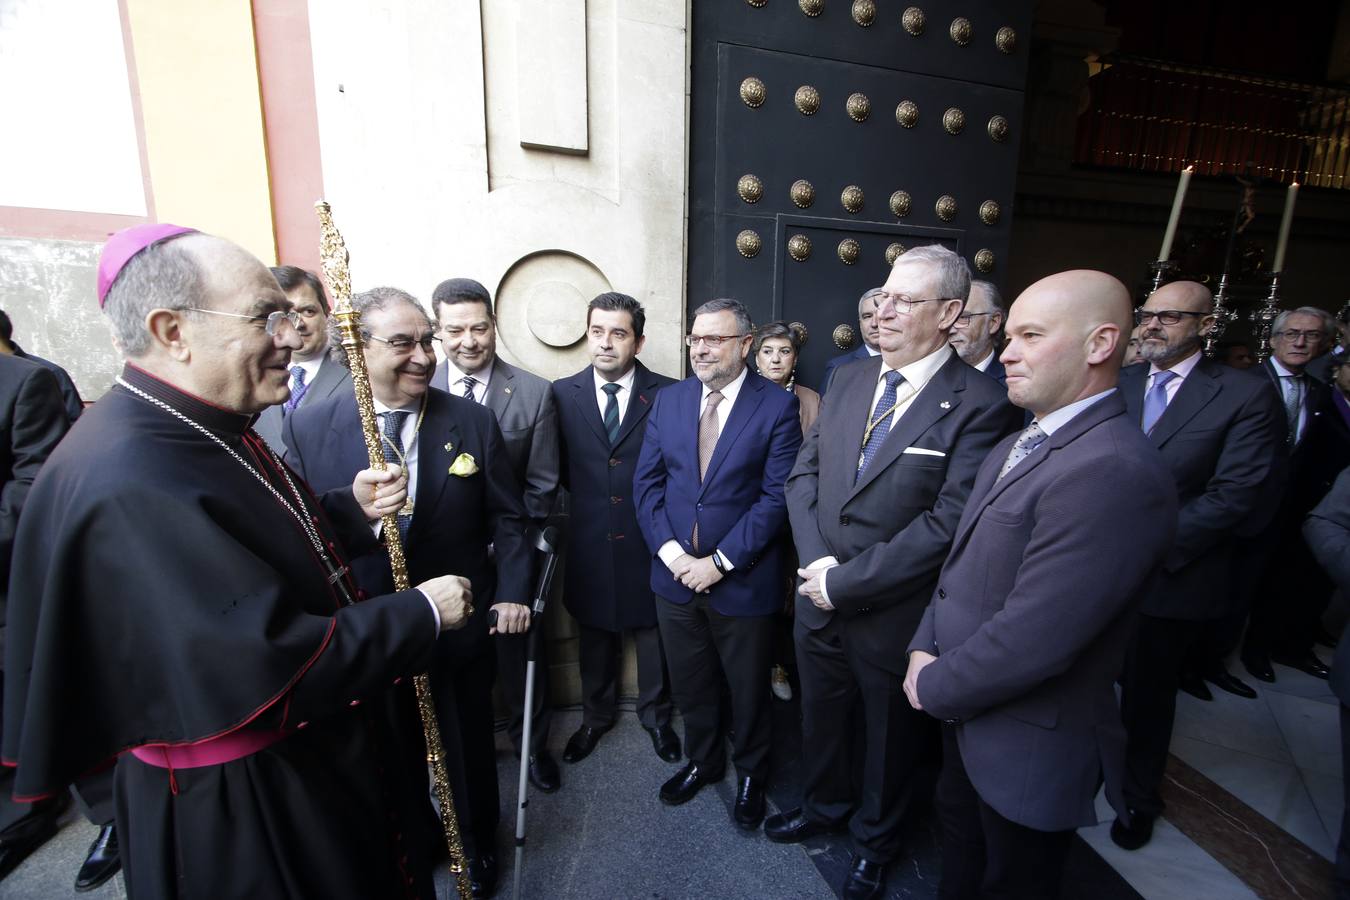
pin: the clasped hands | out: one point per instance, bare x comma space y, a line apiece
696, 573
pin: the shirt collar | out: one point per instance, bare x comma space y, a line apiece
381, 409
1182, 369
728, 393
983, 365
870, 351
919, 372
625, 383
483, 376
311, 367
1280, 370
1052, 422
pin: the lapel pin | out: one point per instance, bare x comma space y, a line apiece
508, 390
449, 446
945, 404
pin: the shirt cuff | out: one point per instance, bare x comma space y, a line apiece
436, 613
669, 552
726, 563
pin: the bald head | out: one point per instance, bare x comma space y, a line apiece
1066, 338
1174, 321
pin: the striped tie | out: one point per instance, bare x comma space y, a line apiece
611, 411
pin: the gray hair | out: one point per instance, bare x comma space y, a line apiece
369, 301
953, 282
162, 276
992, 292
743, 323
1326, 323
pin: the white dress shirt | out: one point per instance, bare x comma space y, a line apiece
311, 367
622, 396
983, 365
408, 437
455, 377
1181, 370
1056, 420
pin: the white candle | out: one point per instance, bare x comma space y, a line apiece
1171, 232
1287, 221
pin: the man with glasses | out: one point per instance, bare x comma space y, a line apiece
979, 330
523, 404
181, 602
315, 376
1287, 606
874, 500
709, 490
463, 498
867, 331
1220, 432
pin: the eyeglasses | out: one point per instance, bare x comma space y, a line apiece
905, 305
1165, 316
711, 340
1294, 335
270, 322
405, 345
964, 319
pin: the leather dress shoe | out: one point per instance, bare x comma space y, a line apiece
1136, 835
1224, 680
544, 772
483, 874
665, 742
1306, 661
865, 879
793, 827
1258, 664
684, 784
580, 744
103, 861
749, 809
1194, 685
22, 838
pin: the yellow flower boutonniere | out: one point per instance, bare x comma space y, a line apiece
464, 465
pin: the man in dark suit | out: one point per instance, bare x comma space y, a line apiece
315, 375
70, 395
1289, 593
978, 332
463, 499
523, 404
1019, 650
32, 422
1221, 433
709, 488
602, 416
874, 500
867, 332
1327, 530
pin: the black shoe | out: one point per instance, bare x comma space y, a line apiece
1306, 661
18, 843
793, 827
665, 742
1325, 638
1258, 664
749, 809
685, 783
1139, 832
1224, 680
865, 879
103, 861
1194, 685
483, 874
580, 744
544, 772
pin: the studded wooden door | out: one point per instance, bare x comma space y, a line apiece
827, 136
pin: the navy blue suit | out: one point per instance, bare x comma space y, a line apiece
996, 371
740, 510
837, 361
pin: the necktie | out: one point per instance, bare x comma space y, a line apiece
1293, 403
880, 421
393, 433
298, 387
1156, 401
1027, 441
707, 441
612, 411
468, 381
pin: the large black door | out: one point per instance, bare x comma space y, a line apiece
827, 136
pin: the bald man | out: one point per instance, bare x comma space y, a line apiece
1019, 650
1221, 433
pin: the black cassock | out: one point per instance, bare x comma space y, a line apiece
162, 595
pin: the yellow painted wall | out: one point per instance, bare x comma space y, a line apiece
197, 68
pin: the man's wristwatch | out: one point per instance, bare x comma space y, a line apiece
717, 561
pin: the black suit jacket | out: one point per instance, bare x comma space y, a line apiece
607, 587
70, 395
891, 530
455, 517
1223, 439
1327, 531
835, 362
332, 377
996, 370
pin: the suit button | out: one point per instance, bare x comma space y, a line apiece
613, 462
615, 500
955, 720
942, 595
843, 520
698, 505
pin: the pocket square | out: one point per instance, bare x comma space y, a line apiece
464, 465
924, 451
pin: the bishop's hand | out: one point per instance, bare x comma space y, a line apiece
380, 492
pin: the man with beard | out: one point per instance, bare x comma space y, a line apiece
179, 598
463, 499
868, 331
1219, 431
978, 331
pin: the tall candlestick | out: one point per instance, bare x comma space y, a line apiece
1285, 223
1172, 221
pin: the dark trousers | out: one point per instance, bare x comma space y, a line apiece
1291, 595
985, 855
835, 678
1148, 702
600, 651
512, 657
462, 690
702, 644
1343, 845
94, 795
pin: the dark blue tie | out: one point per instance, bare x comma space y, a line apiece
393, 433
880, 421
611, 411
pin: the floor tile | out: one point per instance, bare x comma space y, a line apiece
1311, 730
1233, 722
